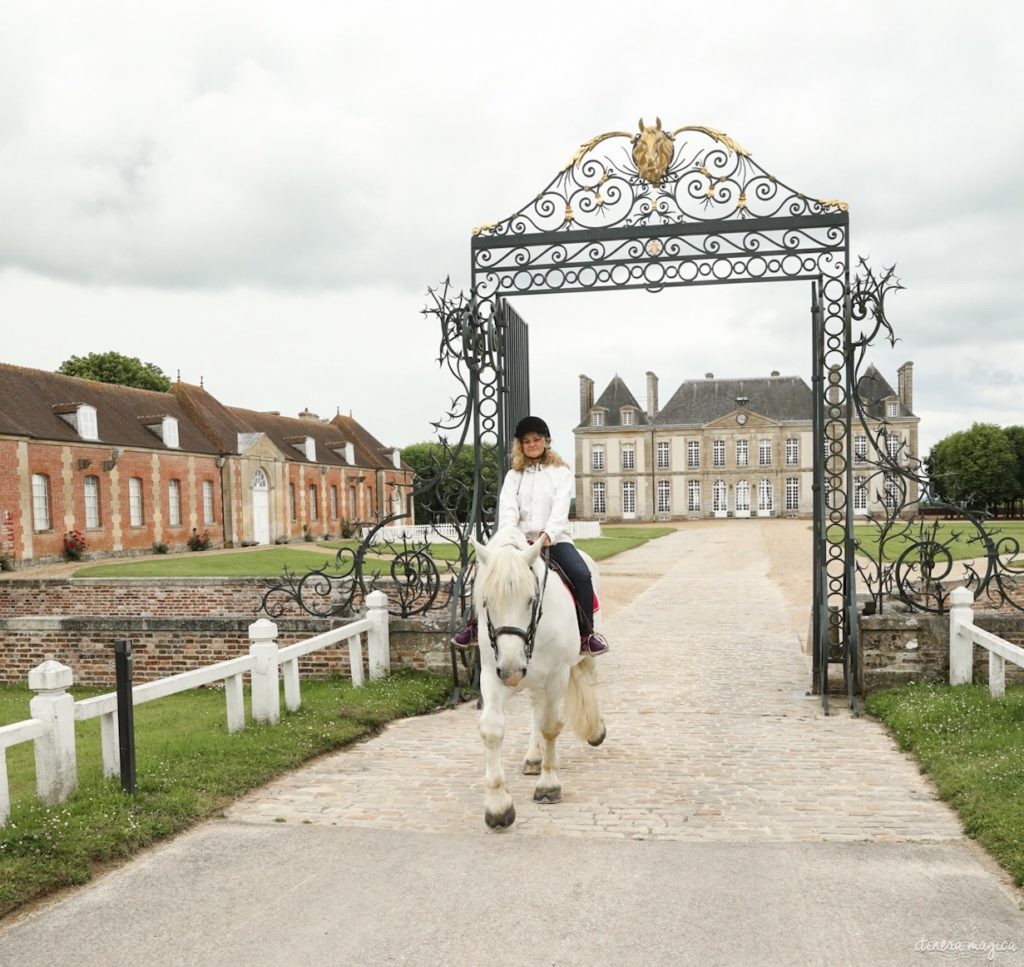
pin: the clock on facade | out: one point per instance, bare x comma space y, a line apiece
741, 418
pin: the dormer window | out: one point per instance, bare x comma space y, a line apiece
597, 418
892, 408
628, 417
309, 446
396, 458
81, 417
165, 427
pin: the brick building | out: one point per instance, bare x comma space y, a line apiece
130, 468
725, 447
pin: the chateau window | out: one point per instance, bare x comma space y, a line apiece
135, 509
892, 492
334, 502
718, 453
314, 504
743, 495
309, 448
664, 497
719, 497
291, 501
169, 432
792, 452
693, 496
792, 493
174, 503
860, 448
92, 502
892, 409
765, 496
40, 502
628, 417
597, 418
628, 457
892, 446
860, 493
208, 502
86, 423
628, 496
693, 454
597, 458
742, 453
598, 492
764, 453
663, 455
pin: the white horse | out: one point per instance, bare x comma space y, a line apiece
529, 638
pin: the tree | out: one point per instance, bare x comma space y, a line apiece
1015, 434
112, 367
976, 467
453, 495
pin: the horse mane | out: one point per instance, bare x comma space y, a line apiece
506, 576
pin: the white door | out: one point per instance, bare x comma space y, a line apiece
260, 508
628, 500
743, 498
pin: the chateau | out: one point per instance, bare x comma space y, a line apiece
131, 468
724, 447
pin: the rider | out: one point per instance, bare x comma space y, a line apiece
535, 498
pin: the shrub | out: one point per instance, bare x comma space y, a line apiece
74, 545
159, 547
197, 541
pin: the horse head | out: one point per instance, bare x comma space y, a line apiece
506, 598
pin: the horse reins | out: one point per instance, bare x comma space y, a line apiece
529, 635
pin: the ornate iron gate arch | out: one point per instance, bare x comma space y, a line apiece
660, 209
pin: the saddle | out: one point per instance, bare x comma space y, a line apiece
556, 569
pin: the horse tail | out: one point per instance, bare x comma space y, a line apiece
581, 707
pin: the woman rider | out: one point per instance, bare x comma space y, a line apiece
535, 498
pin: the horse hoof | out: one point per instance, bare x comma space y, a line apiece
501, 820
531, 767
548, 796
596, 742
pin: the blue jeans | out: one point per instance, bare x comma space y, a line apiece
568, 559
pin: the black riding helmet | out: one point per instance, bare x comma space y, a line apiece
532, 424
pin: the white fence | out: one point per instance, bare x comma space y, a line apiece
54, 712
964, 634
446, 533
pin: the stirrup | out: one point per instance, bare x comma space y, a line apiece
593, 644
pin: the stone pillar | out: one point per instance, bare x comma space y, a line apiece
961, 647
378, 643
56, 766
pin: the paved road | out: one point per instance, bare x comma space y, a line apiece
725, 821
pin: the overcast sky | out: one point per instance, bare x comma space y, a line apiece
259, 194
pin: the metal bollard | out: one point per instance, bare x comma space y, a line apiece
125, 712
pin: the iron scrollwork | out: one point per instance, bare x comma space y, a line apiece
910, 556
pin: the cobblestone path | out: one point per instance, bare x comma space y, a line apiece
711, 736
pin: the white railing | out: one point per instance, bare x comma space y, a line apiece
964, 634
446, 533
54, 712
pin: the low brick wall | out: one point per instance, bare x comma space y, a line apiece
900, 647
166, 646
131, 597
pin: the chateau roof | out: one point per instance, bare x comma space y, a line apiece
873, 388
615, 396
699, 401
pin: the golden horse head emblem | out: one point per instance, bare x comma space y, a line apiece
652, 152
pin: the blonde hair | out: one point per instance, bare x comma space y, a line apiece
547, 459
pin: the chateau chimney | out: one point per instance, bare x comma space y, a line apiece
906, 385
652, 395
307, 414
586, 397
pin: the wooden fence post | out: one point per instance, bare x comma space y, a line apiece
961, 647
266, 692
56, 764
377, 639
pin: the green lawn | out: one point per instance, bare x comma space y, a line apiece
971, 746
189, 768
958, 533
264, 563
272, 561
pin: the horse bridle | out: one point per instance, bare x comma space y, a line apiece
529, 635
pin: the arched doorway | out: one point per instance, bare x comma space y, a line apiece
260, 507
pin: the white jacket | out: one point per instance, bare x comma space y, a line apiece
536, 500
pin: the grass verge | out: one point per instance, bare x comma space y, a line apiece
268, 563
615, 540
971, 746
958, 535
189, 769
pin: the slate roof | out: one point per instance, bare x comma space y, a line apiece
31, 398
699, 401
873, 388
615, 396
